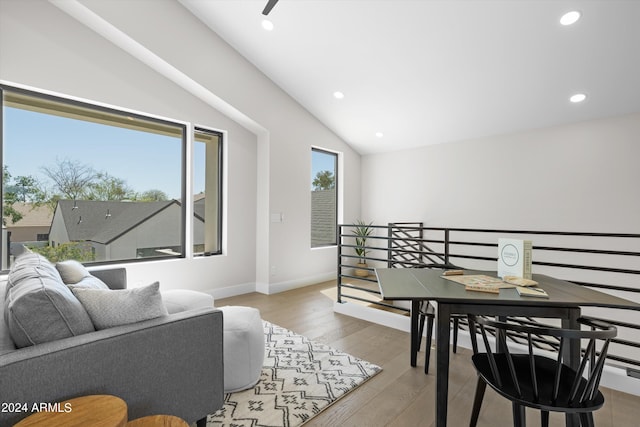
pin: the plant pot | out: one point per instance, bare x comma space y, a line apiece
360, 272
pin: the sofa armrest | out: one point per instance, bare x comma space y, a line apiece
168, 365
114, 278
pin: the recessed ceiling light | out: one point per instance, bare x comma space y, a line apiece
338, 95
570, 18
578, 97
379, 134
267, 25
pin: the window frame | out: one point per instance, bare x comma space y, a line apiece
187, 132
336, 166
220, 189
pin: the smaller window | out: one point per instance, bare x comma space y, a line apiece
207, 197
324, 198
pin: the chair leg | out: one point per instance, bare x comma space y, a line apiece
586, 419
477, 401
420, 328
519, 417
544, 418
455, 334
428, 344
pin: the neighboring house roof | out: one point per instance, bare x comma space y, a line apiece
105, 221
32, 215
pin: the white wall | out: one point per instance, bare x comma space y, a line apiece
268, 170
578, 177
292, 131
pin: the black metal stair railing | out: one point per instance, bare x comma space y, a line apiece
609, 262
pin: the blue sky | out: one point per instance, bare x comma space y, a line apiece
144, 160
321, 161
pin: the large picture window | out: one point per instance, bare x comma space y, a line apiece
324, 198
89, 183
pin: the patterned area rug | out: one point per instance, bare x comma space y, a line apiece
299, 379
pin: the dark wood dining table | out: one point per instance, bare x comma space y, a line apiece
417, 285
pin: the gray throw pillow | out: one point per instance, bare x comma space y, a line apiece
40, 308
109, 308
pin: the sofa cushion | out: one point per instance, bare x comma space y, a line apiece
31, 265
74, 273
38, 306
6, 343
109, 308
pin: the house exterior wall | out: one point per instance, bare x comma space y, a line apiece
35, 220
27, 234
58, 232
323, 217
160, 231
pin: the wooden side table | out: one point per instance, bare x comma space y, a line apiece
158, 421
94, 410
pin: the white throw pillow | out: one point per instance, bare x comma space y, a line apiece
71, 271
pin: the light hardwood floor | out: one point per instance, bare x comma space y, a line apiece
401, 396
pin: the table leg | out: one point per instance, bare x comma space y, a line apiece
442, 363
415, 339
573, 356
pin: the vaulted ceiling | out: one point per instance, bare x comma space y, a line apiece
415, 73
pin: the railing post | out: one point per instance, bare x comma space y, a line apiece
446, 246
339, 279
421, 245
390, 245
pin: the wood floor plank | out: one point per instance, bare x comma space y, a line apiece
401, 396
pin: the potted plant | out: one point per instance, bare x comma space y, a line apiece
362, 230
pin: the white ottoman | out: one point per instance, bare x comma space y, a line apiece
178, 300
243, 340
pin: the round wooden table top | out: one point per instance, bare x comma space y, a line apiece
94, 410
158, 421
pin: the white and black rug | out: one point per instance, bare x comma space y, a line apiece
299, 379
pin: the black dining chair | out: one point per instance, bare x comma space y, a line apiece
427, 313
530, 379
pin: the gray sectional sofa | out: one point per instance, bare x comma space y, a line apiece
170, 364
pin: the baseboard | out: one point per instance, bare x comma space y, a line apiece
613, 377
274, 288
270, 288
232, 291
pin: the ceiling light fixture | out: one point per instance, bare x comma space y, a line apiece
379, 134
338, 95
267, 25
578, 97
570, 18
